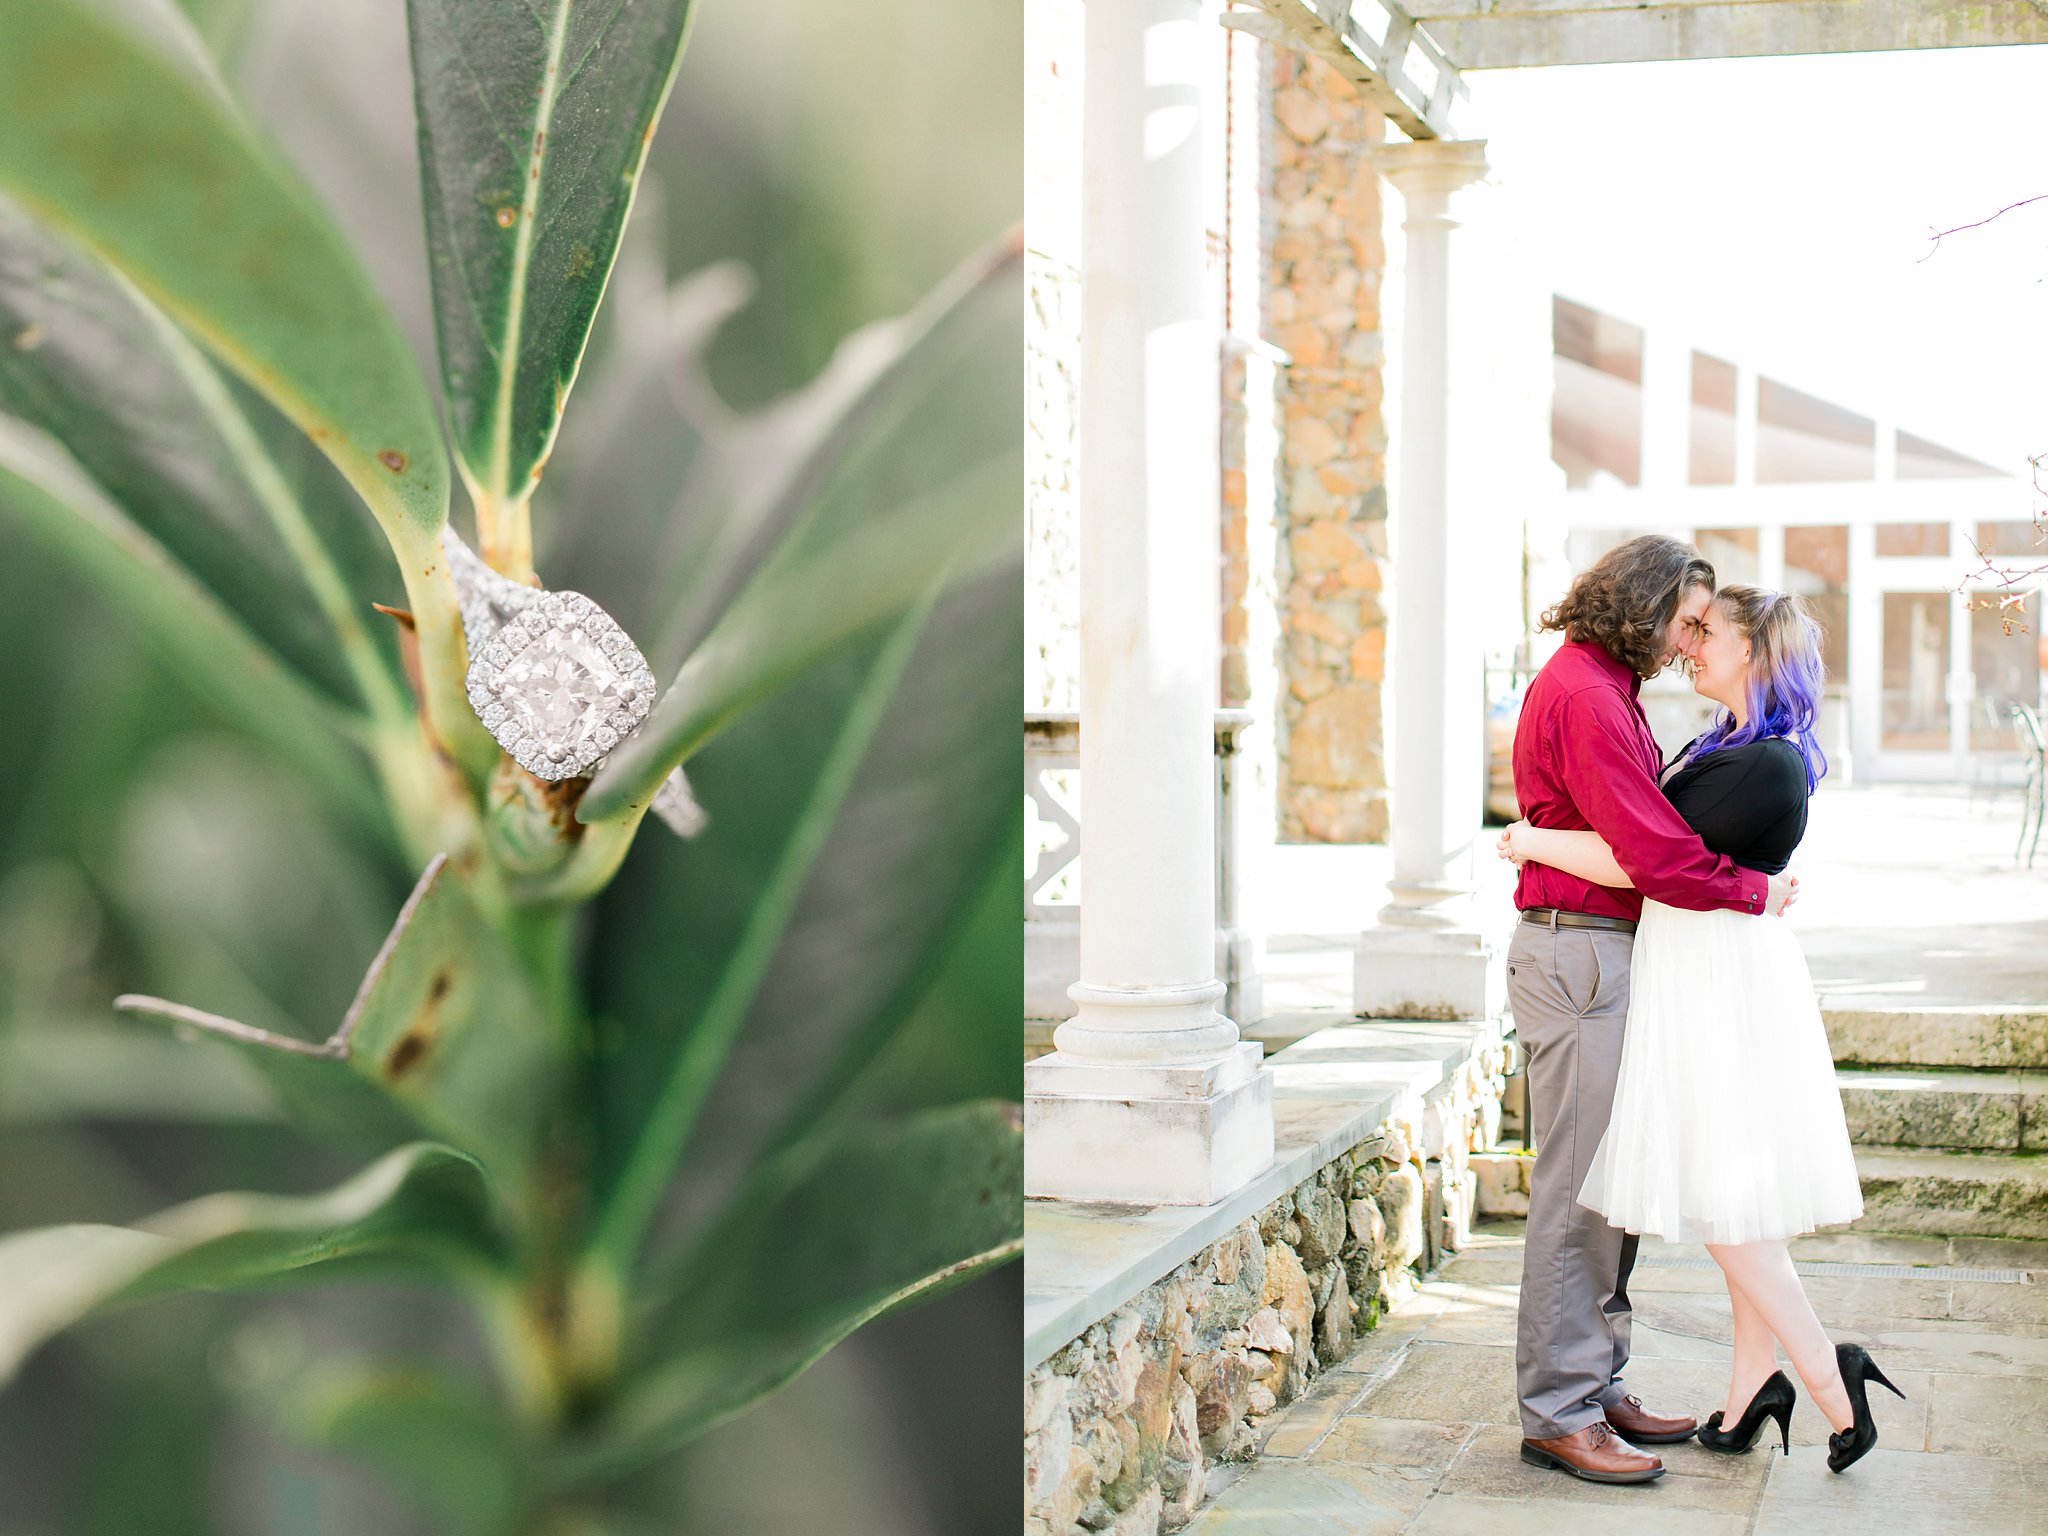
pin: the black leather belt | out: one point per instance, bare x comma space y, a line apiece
1550, 917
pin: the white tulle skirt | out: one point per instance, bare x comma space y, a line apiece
1727, 1124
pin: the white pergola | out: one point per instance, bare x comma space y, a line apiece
1150, 1096
1411, 59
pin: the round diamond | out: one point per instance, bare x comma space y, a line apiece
607, 738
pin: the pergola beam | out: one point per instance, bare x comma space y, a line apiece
1380, 66
1513, 34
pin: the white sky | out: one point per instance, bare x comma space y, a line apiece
1779, 210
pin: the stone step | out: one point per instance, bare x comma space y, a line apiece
1953, 1194
1966, 1111
1984, 1039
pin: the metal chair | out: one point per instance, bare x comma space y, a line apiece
2035, 748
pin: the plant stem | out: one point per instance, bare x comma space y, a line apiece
504, 531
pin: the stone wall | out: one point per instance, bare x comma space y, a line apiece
1123, 1425
1327, 258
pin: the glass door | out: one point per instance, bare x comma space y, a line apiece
1917, 736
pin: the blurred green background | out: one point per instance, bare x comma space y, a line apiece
848, 154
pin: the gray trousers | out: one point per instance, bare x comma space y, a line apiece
1569, 991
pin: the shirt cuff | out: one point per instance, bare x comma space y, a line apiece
1755, 890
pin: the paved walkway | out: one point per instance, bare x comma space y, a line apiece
1416, 1432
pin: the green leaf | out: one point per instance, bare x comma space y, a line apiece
422, 1206
431, 1436
824, 1243
534, 122
761, 471
812, 598
83, 356
653, 1093
138, 158
444, 1024
84, 1069
930, 812
65, 511
832, 509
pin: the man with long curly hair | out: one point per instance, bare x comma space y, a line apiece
1585, 758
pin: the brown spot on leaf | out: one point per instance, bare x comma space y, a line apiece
507, 217
392, 460
410, 1051
581, 260
417, 1042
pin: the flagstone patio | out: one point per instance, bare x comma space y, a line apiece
1415, 1433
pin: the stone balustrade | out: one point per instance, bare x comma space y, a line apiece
1158, 1340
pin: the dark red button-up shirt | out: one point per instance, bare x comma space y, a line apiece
1585, 758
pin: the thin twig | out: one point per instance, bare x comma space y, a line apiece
233, 1029
336, 1046
1937, 234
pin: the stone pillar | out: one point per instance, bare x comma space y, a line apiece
1150, 1096
1427, 958
1323, 304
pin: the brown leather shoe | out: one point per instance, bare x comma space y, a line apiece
1595, 1453
1642, 1427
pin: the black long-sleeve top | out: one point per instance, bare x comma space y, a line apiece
1747, 802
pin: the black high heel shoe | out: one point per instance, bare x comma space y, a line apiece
1846, 1447
1773, 1400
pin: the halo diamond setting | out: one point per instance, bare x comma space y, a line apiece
560, 685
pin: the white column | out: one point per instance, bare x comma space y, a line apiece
1150, 1096
1427, 958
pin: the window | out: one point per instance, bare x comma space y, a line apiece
1711, 460
1596, 411
1906, 539
1801, 437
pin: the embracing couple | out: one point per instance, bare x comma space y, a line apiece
1680, 1081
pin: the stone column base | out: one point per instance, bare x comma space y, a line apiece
1428, 973
1141, 1133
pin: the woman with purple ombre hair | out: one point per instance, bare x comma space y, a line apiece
1727, 1127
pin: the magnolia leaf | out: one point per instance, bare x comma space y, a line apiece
106, 137
241, 678
433, 1437
762, 470
86, 358
534, 122
810, 600
825, 1242
444, 1024
86, 1069
421, 1207
653, 1092
924, 822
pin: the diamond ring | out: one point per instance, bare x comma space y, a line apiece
555, 680
553, 677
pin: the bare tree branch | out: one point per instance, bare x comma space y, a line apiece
1936, 235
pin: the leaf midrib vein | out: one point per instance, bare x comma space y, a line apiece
522, 253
